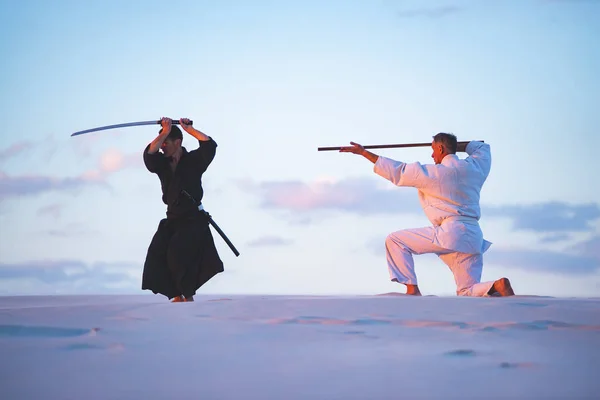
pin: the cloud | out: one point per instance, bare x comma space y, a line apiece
54, 210
13, 150
72, 272
430, 12
110, 162
354, 195
270, 241
71, 230
590, 247
549, 217
581, 259
369, 197
27, 185
543, 261
376, 245
555, 237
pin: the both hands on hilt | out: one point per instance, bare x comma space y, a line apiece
166, 124
186, 124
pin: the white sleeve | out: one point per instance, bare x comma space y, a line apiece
403, 174
480, 155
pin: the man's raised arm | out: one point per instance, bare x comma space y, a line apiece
158, 141
187, 126
480, 154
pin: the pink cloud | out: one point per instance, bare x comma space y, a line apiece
35, 184
306, 196
110, 162
354, 195
269, 241
14, 150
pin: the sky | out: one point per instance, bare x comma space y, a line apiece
270, 82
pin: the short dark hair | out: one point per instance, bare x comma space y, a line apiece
175, 133
448, 140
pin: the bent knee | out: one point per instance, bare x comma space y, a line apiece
389, 239
394, 240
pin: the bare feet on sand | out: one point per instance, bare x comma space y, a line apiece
181, 299
413, 290
502, 288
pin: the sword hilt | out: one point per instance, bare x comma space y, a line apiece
175, 122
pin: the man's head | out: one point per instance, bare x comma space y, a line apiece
173, 142
442, 145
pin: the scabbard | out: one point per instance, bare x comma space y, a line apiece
225, 238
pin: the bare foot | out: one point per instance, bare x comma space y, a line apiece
178, 299
502, 288
413, 290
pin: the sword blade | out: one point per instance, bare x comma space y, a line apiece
102, 128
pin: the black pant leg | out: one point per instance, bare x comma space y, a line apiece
157, 276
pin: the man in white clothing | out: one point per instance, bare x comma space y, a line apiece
449, 194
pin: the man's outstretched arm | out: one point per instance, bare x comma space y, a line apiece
360, 150
397, 172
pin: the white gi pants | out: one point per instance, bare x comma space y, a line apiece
466, 268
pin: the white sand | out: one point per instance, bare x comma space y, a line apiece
285, 347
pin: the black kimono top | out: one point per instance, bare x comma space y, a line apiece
186, 177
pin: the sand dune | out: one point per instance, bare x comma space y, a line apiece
299, 347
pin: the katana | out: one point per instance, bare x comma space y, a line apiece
102, 128
212, 222
225, 238
387, 146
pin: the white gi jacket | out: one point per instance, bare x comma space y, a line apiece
449, 194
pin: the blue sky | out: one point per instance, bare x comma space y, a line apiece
270, 82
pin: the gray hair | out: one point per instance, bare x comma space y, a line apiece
448, 140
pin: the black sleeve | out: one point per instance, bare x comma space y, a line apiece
154, 161
205, 153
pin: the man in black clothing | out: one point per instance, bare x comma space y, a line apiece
182, 255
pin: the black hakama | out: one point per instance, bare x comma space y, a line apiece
182, 255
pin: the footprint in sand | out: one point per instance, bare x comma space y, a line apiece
360, 335
82, 346
354, 332
114, 347
524, 304
509, 365
462, 353
44, 331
